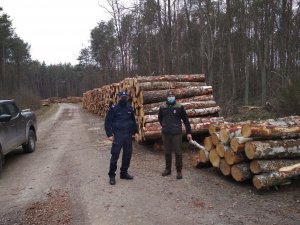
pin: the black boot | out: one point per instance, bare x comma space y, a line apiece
126, 176
179, 166
112, 180
167, 171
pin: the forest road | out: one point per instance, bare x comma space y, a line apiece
65, 181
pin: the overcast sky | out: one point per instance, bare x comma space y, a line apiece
55, 29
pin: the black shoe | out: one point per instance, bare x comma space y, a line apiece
166, 172
112, 181
126, 176
179, 175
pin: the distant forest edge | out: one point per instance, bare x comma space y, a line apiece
249, 51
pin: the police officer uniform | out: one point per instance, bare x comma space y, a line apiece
120, 123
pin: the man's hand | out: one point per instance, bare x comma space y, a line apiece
111, 138
189, 137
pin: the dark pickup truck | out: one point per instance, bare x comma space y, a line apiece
16, 128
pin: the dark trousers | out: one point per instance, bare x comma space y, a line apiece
120, 141
173, 143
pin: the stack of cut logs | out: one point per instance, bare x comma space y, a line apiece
268, 152
148, 93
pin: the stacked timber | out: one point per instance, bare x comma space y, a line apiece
148, 93
268, 152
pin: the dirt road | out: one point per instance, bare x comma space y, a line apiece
65, 182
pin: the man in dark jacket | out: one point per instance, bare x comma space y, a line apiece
120, 125
170, 116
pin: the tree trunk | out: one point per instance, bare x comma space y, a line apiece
221, 149
238, 143
277, 177
226, 134
201, 98
147, 97
215, 138
186, 105
267, 166
204, 156
224, 168
241, 172
271, 130
214, 158
163, 85
208, 143
173, 78
190, 113
289, 148
234, 158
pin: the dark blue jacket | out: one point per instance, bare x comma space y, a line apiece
120, 119
170, 117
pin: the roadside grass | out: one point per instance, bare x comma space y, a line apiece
45, 111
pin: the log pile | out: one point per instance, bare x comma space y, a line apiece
268, 152
148, 93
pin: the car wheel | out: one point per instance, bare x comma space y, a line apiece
30, 145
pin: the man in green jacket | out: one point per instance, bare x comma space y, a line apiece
170, 116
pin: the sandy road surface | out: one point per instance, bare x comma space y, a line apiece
65, 182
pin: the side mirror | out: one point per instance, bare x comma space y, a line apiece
5, 118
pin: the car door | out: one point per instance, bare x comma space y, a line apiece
18, 124
7, 131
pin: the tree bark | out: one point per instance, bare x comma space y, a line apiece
267, 166
174, 78
289, 148
147, 97
276, 178
271, 130
186, 105
190, 113
163, 85
200, 98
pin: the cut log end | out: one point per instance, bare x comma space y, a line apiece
224, 168
224, 136
234, 144
208, 143
204, 156
246, 130
257, 183
249, 150
255, 167
236, 174
241, 172
220, 150
229, 157
214, 158
215, 138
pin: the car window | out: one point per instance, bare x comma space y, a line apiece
12, 108
3, 109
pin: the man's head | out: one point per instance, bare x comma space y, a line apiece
171, 97
123, 97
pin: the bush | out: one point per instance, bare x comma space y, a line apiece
289, 99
